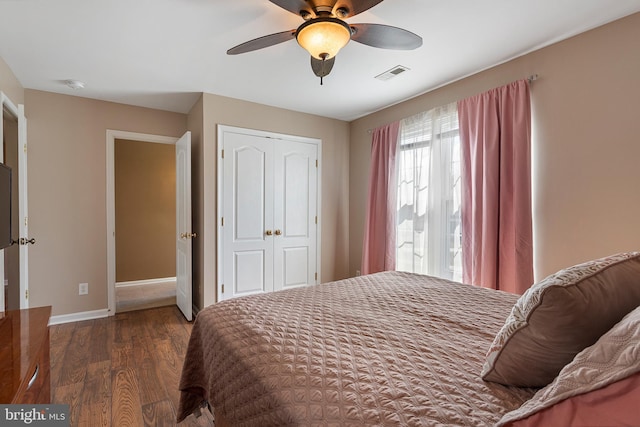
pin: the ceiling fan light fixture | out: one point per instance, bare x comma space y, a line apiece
323, 37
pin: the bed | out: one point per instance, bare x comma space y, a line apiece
390, 348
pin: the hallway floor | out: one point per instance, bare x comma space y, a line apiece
130, 298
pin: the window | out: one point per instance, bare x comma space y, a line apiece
429, 194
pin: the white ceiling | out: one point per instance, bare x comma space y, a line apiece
164, 53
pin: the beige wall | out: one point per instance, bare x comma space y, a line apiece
67, 187
145, 211
334, 184
586, 144
10, 85
67, 192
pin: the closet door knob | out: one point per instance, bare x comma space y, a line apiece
278, 232
268, 233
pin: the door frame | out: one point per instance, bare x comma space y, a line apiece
23, 225
112, 135
220, 191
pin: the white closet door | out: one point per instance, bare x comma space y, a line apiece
295, 209
248, 215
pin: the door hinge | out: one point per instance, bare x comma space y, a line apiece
25, 148
222, 221
316, 162
316, 219
316, 276
223, 288
26, 294
223, 153
26, 221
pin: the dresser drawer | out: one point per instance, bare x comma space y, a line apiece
24, 356
38, 381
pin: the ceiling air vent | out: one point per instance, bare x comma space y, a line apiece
389, 74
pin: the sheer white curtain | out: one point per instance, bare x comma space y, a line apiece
429, 194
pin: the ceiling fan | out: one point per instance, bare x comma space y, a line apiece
324, 31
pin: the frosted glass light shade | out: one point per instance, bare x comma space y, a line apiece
323, 37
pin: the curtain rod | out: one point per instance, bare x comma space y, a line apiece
532, 78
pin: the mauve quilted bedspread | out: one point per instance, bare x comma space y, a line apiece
384, 349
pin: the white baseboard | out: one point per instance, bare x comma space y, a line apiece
78, 317
160, 281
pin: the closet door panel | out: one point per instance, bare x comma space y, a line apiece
248, 210
295, 210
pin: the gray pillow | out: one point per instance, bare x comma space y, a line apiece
578, 388
560, 316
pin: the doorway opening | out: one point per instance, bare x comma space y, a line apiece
145, 224
182, 235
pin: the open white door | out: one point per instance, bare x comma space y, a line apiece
17, 113
22, 210
184, 233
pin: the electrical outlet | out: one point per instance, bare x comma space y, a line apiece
83, 289
357, 272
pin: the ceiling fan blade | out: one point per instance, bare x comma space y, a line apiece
296, 6
354, 7
322, 68
385, 36
262, 42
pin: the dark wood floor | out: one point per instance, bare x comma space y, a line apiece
123, 370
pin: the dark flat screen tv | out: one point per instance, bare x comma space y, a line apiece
5, 206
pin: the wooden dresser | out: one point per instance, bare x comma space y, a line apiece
24, 356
